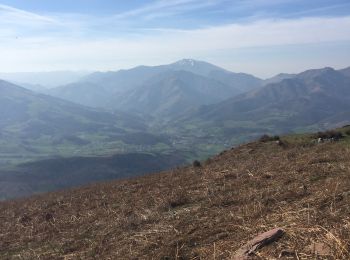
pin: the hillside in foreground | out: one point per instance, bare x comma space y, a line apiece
205, 212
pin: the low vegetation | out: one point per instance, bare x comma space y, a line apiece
303, 188
332, 134
347, 132
267, 138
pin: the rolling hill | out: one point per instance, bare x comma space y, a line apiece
100, 89
34, 125
206, 211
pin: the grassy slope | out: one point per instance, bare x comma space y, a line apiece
196, 213
62, 173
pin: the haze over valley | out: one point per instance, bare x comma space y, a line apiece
186, 110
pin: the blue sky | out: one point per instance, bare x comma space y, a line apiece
263, 37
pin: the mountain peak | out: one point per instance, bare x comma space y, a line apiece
309, 74
195, 66
187, 62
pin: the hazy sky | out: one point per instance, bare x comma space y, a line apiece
262, 37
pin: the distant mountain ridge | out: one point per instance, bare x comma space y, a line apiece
22, 106
345, 72
47, 79
313, 99
173, 93
123, 89
278, 78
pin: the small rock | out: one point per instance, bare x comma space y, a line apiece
258, 242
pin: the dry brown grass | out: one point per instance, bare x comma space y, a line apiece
203, 212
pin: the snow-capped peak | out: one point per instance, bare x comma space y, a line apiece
187, 62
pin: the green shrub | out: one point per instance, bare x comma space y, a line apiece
267, 138
196, 163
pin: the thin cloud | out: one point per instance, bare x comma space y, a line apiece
10, 14
319, 10
174, 6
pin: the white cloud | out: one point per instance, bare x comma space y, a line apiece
70, 49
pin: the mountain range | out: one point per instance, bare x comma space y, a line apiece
191, 109
198, 91
173, 93
159, 90
314, 99
186, 103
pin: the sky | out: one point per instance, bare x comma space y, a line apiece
261, 37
